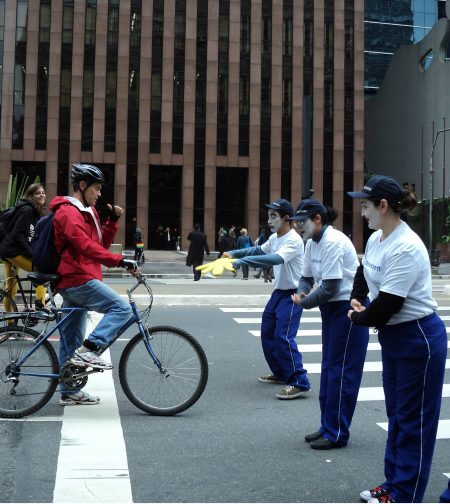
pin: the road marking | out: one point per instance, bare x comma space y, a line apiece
318, 332
253, 320
442, 433
92, 448
254, 310
369, 366
34, 419
377, 393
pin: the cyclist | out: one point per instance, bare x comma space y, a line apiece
83, 245
15, 246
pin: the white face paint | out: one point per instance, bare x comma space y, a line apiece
306, 229
275, 221
371, 213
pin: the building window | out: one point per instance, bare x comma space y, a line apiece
112, 47
244, 79
2, 37
200, 110
65, 93
222, 78
87, 119
178, 77
19, 74
156, 79
42, 77
266, 104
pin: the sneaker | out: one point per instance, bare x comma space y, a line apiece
78, 398
376, 493
292, 392
271, 379
88, 358
383, 498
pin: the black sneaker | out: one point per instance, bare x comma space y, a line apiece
313, 437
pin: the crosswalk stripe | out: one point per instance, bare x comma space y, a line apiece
253, 320
442, 433
304, 332
369, 366
315, 332
93, 451
317, 347
377, 393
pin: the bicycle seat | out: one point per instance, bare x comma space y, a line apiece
42, 278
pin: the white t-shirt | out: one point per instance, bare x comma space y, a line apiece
400, 265
333, 258
290, 247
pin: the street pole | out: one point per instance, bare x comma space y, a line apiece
431, 183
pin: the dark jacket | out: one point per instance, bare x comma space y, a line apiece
199, 245
20, 231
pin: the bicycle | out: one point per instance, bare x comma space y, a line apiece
26, 300
170, 366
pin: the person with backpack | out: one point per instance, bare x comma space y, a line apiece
83, 245
138, 245
243, 242
15, 246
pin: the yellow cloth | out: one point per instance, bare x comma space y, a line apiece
20, 262
216, 267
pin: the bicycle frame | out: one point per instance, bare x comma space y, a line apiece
56, 314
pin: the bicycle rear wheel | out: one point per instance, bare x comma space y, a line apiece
23, 395
184, 376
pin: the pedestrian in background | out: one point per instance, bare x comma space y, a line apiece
396, 272
243, 242
197, 249
138, 245
331, 263
16, 245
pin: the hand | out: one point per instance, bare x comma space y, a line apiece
114, 212
357, 306
131, 266
296, 298
216, 267
226, 255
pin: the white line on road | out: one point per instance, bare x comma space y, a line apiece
314, 368
92, 462
315, 332
442, 433
377, 393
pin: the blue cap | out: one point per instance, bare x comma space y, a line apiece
380, 187
281, 205
308, 208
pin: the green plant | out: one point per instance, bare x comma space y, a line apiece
15, 190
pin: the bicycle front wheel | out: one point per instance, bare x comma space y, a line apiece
178, 385
23, 395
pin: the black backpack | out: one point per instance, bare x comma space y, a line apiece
46, 259
6, 218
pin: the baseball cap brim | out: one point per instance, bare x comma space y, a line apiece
358, 194
300, 218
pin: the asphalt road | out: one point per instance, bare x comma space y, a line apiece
237, 444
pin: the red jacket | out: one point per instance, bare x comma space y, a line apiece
83, 243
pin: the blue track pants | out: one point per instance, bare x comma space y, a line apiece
413, 356
344, 348
280, 322
445, 497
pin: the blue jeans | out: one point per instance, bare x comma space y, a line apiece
94, 296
